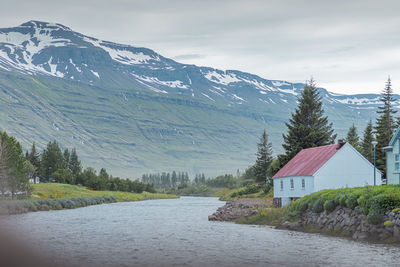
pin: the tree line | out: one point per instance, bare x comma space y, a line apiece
55, 165
382, 131
166, 180
309, 127
14, 181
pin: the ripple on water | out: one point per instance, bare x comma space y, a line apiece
177, 232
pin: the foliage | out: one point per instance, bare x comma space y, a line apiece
265, 216
245, 191
374, 201
15, 207
308, 127
366, 143
226, 180
52, 159
60, 191
56, 166
353, 138
264, 159
318, 206
168, 180
63, 176
388, 223
385, 125
34, 158
330, 205
192, 190
13, 168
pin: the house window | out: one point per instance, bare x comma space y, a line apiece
397, 162
291, 184
281, 185
303, 183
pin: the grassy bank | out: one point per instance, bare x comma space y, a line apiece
373, 201
250, 191
54, 196
59, 191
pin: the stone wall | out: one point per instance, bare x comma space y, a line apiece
347, 222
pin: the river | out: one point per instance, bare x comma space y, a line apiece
177, 232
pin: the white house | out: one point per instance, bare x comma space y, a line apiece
35, 180
393, 159
325, 167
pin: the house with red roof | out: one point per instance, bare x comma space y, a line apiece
325, 167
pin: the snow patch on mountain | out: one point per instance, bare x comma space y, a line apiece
95, 74
208, 97
155, 80
123, 56
359, 101
221, 78
280, 83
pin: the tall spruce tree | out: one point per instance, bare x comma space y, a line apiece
34, 159
366, 143
13, 175
385, 125
264, 159
352, 137
52, 160
74, 164
67, 157
308, 127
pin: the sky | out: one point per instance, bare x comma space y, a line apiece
347, 46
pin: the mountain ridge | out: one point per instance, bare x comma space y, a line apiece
104, 98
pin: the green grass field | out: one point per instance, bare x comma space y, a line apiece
59, 191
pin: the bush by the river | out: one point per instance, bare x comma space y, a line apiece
373, 201
15, 207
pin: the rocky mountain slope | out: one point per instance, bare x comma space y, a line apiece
132, 110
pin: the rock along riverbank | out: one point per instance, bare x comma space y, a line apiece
350, 223
236, 209
342, 221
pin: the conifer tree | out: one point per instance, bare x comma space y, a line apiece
52, 160
13, 176
34, 158
384, 125
366, 143
74, 164
353, 138
308, 127
264, 159
66, 156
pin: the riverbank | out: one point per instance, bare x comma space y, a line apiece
55, 196
239, 209
366, 213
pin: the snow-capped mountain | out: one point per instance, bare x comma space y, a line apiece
168, 104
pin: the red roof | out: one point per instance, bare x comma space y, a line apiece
308, 161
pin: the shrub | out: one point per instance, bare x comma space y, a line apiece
375, 214
330, 205
396, 210
318, 206
351, 201
388, 224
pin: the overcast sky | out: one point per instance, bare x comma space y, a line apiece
347, 46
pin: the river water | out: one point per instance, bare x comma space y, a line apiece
177, 232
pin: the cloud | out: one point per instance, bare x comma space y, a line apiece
349, 42
188, 57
